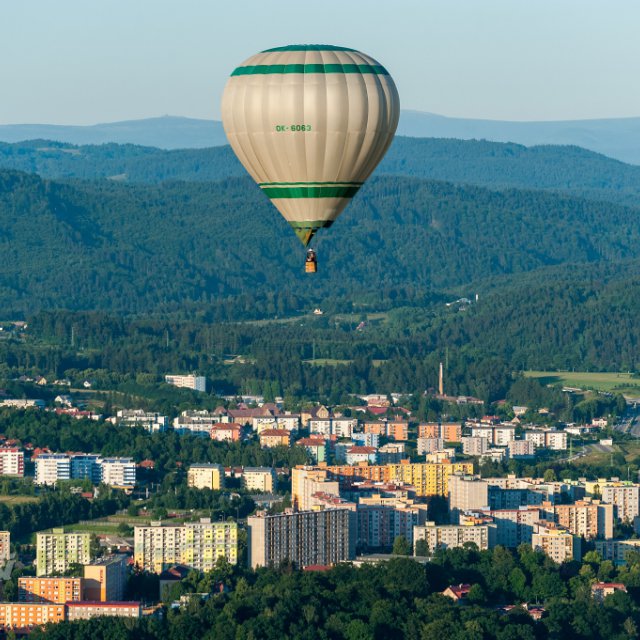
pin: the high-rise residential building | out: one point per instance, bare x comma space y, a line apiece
587, 518
455, 535
466, 493
521, 449
206, 476
380, 520
24, 615
52, 590
474, 445
556, 542
52, 467
429, 445
57, 551
5, 546
513, 526
11, 461
303, 537
197, 383
193, 544
428, 478
625, 497
261, 479
105, 579
118, 472
85, 465
617, 550
306, 481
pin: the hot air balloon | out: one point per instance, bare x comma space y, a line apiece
310, 123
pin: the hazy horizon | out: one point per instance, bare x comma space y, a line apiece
78, 63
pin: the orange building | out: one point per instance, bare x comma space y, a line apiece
49, 590
275, 438
429, 430
448, 431
229, 432
25, 615
377, 427
398, 429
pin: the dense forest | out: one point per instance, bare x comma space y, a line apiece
184, 247
395, 599
491, 164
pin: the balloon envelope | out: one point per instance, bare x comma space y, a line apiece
310, 123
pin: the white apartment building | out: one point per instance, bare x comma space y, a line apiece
429, 445
474, 445
625, 498
521, 449
51, 467
261, 479
455, 535
5, 546
197, 383
151, 422
118, 472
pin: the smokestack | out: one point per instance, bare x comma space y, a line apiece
441, 382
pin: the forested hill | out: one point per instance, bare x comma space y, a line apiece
570, 169
185, 246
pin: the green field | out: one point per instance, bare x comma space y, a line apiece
11, 500
619, 382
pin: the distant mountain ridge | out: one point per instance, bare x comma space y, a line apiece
498, 165
617, 138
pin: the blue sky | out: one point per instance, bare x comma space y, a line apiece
89, 61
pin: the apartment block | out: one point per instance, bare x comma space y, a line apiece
5, 546
398, 430
513, 526
617, 550
230, 432
466, 493
24, 615
391, 453
49, 590
149, 421
86, 610
52, 467
270, 438
118, 472
194, 544
305, 538
474, 445
429, 479
455, 535
57, 551
206, 476
429, 445
381, 520
11, 461
521, 449
625, 497
197, 383
586, 518
261, 479
448, 431
556, 542
105, 579
316, 447
307, 481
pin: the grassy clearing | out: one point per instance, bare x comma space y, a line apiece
11, 500
619, 382
630, 450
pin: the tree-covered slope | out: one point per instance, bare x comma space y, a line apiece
147, 249
570, 169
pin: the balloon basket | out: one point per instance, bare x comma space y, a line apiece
310, 267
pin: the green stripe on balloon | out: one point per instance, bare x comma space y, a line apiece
308, 47
304, 184
268, 69
310, 192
